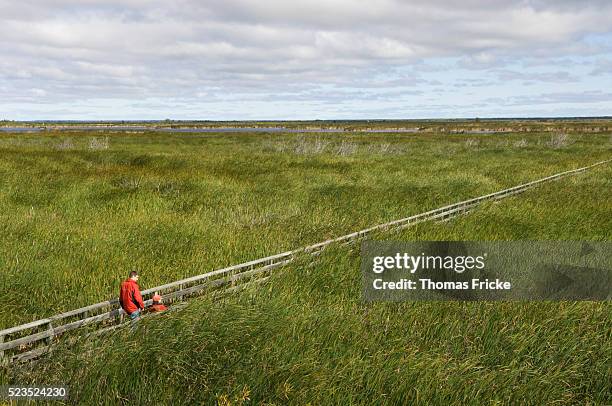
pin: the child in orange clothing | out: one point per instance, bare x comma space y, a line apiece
157, 305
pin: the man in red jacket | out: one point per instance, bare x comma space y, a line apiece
130, 297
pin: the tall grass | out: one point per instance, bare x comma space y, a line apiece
307, 337
74, 221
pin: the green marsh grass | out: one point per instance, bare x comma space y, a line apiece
307, 338
75, 219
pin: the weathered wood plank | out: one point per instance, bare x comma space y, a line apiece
222, 271
25, 340
16, 329
29, 355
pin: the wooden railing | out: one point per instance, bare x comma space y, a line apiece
30, 340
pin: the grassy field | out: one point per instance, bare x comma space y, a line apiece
78, 211
307, 338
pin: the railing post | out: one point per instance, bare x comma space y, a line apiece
49, 340
2, 358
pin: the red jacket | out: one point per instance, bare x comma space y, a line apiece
129, 297
157, 307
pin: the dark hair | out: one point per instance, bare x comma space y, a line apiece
133, 273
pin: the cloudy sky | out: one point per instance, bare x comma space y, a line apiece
304, 59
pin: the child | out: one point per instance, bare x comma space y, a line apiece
157, 305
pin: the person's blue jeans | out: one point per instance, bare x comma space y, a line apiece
134, 317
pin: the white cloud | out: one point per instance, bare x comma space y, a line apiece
184, 49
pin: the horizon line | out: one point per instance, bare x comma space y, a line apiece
472, 118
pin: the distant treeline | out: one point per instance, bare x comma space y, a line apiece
484, 125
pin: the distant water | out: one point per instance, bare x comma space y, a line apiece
228, 130
20, 129
193, 130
